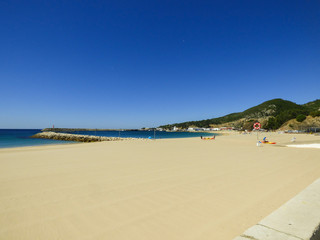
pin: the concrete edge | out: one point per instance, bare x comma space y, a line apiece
297, 219
316, 234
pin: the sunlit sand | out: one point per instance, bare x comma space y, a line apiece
314, 145
163, 189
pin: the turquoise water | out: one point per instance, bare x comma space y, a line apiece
21, 137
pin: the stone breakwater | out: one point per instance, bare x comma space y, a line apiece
76, 137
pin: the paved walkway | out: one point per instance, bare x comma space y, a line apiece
298, 219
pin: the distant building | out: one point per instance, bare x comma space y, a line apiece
226, 128
175, 128
190, 129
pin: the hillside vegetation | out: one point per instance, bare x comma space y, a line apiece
272, 114
313, 106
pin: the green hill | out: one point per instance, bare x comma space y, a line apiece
313, 106
274, 112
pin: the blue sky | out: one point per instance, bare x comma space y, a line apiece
132, 64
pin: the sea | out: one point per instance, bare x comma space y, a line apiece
10, 138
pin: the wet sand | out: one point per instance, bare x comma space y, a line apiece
163, 189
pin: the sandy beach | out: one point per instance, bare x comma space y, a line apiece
142, 190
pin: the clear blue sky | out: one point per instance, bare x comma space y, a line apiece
132, 64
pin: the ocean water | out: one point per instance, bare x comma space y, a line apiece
21, 137
143, 134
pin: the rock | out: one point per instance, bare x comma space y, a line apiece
75, 137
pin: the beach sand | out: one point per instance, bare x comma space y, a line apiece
143, 190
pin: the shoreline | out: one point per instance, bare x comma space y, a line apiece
217, 133
40, 145
94, 136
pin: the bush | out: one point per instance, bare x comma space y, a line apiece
271, 124
315, 114
301, 118
284, 116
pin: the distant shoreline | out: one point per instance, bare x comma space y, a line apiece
23, 137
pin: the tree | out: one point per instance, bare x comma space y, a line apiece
271, 124
301, 118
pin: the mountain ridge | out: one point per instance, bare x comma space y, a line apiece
272, 113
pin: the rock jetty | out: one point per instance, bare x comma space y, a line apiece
76, 137
83, 130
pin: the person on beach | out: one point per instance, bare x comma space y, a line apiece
201, 137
